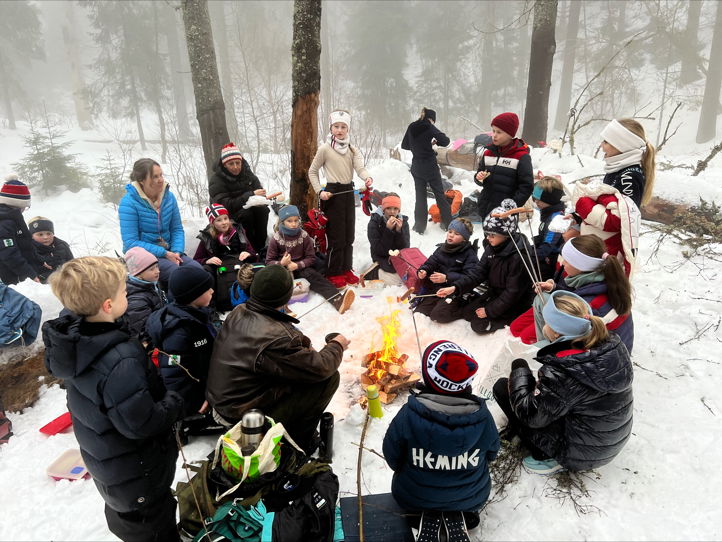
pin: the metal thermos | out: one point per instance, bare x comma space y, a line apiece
326, 427
252, 425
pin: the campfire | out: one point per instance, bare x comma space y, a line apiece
385, 367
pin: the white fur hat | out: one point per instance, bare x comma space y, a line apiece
340, 116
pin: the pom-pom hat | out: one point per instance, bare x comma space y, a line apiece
503, 226
230, 152
447, 368
15, 193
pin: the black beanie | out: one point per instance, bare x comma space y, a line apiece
189, 282
429, 114
41, 224
272, 286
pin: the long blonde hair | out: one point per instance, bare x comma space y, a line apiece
576, 307
648, 159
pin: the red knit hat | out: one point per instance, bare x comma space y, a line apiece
448, 368
508, 122
15, 193
230, 152
214, 211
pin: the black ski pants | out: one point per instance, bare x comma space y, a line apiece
340, 229
429, 175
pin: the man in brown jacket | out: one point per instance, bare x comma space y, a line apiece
260, 360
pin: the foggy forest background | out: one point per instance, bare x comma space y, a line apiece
121, 69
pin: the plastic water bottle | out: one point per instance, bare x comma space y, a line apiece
372, 394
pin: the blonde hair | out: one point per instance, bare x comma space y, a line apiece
33, 219
549, 183
576, 307
83, 284
648, 158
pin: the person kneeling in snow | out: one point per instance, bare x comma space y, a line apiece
262, 361
578, 414
440, 443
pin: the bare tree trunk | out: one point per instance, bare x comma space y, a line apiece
179, 92
567, 77
306, 75
156, 88
707, 126
218, 19
210, 110
688, 72
6, 97
82, 111
488, 59
543, 46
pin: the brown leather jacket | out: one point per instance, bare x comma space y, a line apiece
259, 356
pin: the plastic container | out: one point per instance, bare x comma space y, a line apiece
372, 288
69, 466
301, 289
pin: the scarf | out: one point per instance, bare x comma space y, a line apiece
289, 232
582, 279
453, 249
341, 146
225, 238
622, 160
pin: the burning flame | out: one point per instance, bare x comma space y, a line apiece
388, 354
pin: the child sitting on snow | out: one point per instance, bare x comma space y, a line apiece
577, 414
504, 268
439, 445
388, 230
291, 247
144, 294
547, 196
51, 251
454, 259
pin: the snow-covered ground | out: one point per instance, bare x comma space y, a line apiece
663, 485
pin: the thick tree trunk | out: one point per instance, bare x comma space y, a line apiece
543, 46
306, 74
707, 126
688, 72
567, 77
179, 92
210, 110
82, 111
218, 19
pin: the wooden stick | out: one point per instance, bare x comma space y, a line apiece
514, 211
274, 195
358, 480
362, 276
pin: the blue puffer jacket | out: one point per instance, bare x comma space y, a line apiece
19, 318
439, 447
141, 225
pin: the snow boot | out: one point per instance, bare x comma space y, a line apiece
455, 525
430, 527
541, 466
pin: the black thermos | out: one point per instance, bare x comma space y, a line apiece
326, 426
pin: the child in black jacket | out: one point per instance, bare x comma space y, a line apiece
184, 335
51, 251
547, 196
388, 230
453, 260
17, 256
144, 292
509, 289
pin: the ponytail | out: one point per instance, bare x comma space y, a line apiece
597, 334
575, 306
423, 113
619, 289
648, 158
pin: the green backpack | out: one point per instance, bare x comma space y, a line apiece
234, 522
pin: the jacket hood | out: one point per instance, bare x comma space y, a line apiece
606, 368
69, 353
164, 321
419, 126
458, 421
8, 211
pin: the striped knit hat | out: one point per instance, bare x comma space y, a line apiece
214, 211
15, 193
230, 152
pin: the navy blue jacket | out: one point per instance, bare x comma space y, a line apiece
53, 256
382, 239
455, 265
580, 410
548, 244
17, 256
187, 332
122, 414
630, 181
439, 447
417, 139
143, 298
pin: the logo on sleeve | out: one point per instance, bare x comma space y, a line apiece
8, 243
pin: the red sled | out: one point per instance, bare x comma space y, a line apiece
61, 423
407, 265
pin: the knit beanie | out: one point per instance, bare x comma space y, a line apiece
288, 211
214, 211
391, 201
230, 152
272, 286
137, 260
429, 114
551, 197
504, 226
508, 122
15, 193
188, 283
41, 224
340, 116
459, 227
447, 368
567, 325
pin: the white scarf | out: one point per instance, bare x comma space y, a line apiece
631, 147
622, 160
339, 145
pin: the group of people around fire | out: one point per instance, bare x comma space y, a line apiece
141, 353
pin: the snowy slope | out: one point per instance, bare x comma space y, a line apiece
662, 485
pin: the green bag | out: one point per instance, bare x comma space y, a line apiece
234, 522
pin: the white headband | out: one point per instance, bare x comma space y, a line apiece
584, 263
622, 139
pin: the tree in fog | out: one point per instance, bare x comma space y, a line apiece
210, 109
710, 109
567, 76
176, 50
72, 48
20, 41
219, 21
689, 71
543, 46
306, 76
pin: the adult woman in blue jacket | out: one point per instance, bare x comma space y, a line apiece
150, 219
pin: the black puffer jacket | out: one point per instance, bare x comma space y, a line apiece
417, 139
53, 256
232, 192
260, 356
122, 414
382, 239
17, 256
511, 175
630, 181
456, 262
143, 298
580, 410
187, 332
210, 246
509, 290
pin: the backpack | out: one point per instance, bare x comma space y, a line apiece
19, 318
233, 521
316, 228
454, 197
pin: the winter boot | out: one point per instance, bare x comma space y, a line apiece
430, 527
455, 525
541, 466
344, 302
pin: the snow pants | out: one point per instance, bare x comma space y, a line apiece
340, 229
429, 175
255, 221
